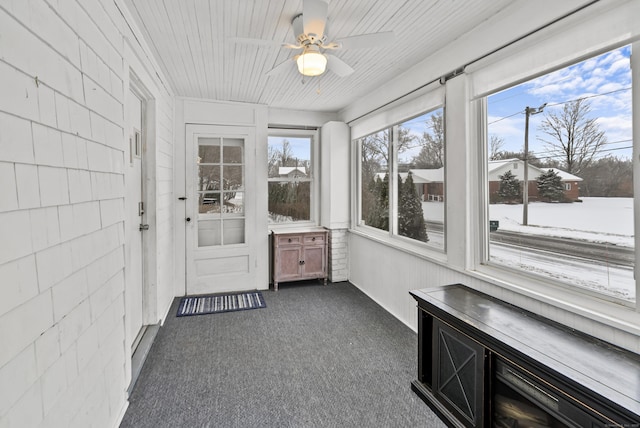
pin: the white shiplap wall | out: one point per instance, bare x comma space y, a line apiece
63, 80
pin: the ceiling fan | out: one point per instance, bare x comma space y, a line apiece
310, 28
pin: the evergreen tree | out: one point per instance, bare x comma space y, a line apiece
550, 187
378, 215
410, 215
509, 187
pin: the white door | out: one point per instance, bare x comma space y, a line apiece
135, 216
220, 209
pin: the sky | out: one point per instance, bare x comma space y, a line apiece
604, 79
300, 147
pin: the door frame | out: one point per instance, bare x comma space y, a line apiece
134, 88
210, 112
150, 311
233, 257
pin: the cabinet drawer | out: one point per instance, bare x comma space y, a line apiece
314, 239
289, 240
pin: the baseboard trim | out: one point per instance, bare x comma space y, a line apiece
141, 353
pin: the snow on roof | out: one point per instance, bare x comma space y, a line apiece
497, 164
428, 175
565, 176
286, 170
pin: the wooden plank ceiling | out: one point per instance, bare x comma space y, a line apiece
193, 43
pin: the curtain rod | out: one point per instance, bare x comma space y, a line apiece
460, 70
294, 127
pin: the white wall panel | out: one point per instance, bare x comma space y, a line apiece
63, 360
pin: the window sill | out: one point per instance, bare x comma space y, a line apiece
615, 315
418, 250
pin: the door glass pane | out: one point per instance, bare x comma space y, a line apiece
209, 150
233, 203
209, 233
232, 177
209, 203
234, 231
209, 177
220, 190
232, 150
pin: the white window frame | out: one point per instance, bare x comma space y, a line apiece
314, 209
428, 98
537, 55
391, 237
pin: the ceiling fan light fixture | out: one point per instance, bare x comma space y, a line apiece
311, 62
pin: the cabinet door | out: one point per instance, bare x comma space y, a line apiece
287, 264
314, 262
459, 374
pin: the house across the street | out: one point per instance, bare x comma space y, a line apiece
498, 168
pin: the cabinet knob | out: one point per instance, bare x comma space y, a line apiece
313, 239
301, 262
289, 239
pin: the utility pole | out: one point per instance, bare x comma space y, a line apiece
528, 111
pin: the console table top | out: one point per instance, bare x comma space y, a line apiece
607, 370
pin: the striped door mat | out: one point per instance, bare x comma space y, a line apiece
213, 304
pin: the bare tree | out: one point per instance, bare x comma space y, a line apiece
575, 137
375, 153
495, 147
375, 147
280, 157
432, 153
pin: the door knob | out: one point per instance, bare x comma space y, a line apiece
188, 219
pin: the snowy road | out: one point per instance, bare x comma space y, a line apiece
615, 281
598, 252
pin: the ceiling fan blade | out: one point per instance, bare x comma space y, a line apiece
338, 66
279, 68
363, 41
314, 17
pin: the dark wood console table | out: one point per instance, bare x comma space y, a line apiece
485, 363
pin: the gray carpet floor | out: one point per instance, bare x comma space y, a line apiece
316, 356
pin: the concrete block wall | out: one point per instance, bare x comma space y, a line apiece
338, 255
63, 81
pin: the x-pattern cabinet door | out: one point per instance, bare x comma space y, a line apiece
458, 373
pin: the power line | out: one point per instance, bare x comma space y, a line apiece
565, 102
561, 156
590, 96
506, 117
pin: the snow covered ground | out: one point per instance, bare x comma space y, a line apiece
604, 220
595, 219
